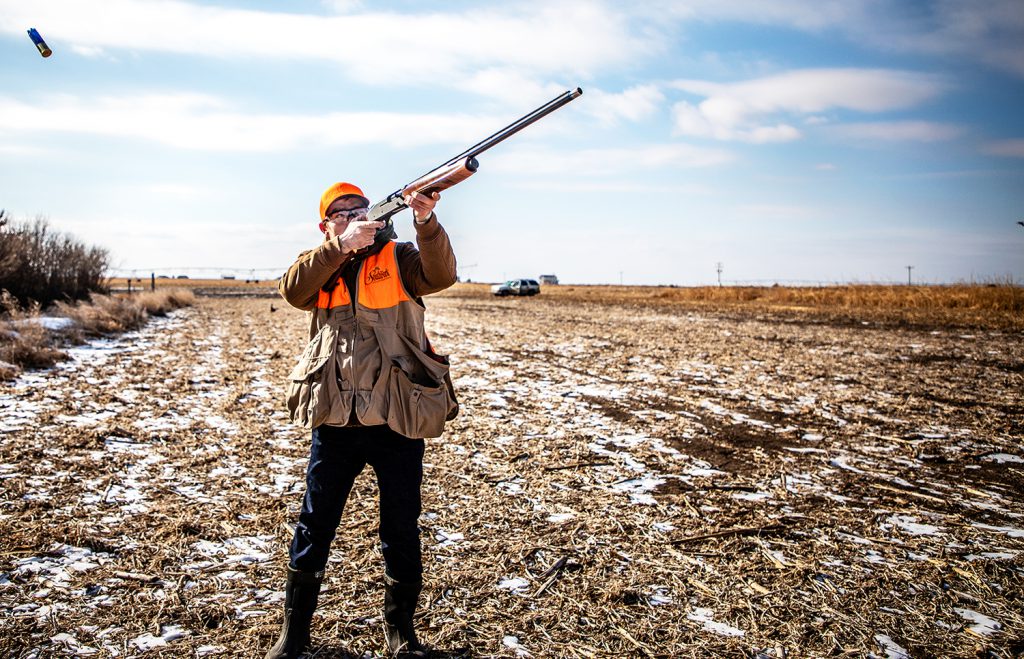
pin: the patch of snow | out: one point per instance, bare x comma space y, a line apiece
513, 584
841, 463
206, 650
1008, 530
638, 489
707, 618
512, 643
992, 556
449, 539
983, 625
890, 647
1003, 458
660, 597
52, 323
751, 496
168, 633
909, 524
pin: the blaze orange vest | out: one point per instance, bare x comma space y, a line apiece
371, 361
379, 284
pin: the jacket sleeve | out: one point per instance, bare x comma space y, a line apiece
300, 286
432, 268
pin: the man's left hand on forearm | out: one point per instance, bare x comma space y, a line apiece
422, 205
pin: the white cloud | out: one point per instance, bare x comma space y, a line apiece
628, 187
343, 6
508, 86
1008, 148
991, 32
744, 110
778, 212
203, 122
605, 162
900, 131
88, 51
800, 14
633, 104
177, 191
561, 40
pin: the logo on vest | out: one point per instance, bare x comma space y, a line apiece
377, 274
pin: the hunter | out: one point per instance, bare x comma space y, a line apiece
370, 388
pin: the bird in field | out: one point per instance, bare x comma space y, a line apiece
272, 308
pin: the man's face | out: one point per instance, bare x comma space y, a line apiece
342, 211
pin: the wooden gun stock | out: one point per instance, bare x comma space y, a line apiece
443, 177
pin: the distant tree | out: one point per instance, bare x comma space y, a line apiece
9, 243
40, 265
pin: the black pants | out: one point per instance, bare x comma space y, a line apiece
337, 456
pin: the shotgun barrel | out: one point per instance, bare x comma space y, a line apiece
459, 168
518, 125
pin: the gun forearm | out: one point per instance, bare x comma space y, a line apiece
443, 177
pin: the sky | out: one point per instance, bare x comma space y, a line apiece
797, 142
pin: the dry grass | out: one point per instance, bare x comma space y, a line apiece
620, 483
994, 305
999, 305
108, 314
158, 303
25, 343
104, 314
30, 345
141, 284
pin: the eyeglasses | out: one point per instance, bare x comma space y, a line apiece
349, 215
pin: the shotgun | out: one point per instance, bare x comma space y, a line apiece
457, 169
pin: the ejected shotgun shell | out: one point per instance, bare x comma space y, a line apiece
44, 50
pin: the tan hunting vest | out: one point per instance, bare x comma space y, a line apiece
372, 356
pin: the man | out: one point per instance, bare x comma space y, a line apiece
370, 388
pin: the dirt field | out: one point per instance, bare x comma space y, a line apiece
623, 480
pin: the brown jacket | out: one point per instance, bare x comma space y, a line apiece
429, 270
368, 360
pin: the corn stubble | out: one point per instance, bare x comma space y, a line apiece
625, 479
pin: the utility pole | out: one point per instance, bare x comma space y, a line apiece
909, 268
719, 274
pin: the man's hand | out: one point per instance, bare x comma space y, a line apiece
356, 234
422, 205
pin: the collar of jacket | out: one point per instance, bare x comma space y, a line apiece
353, 261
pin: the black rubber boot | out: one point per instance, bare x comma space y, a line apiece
300, 596
399, 607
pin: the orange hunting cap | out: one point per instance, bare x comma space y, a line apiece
337, 191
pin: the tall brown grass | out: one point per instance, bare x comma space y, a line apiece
26, 344
998, 304
988, 297
23, 343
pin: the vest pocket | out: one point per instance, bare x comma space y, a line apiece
415, 410
310, 382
